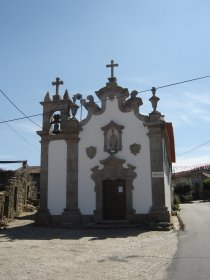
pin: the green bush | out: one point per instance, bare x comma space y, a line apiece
176, 202
183, 191
196, 191
206, 184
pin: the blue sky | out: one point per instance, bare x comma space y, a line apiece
154, 42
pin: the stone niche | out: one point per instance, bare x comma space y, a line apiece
112, 137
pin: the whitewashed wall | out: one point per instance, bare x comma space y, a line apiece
57, 158
166, 179
133, 132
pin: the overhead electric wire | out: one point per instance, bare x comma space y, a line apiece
19, 109
35, 115
23, 138
183, 82
22, 118
159, 87
168, 85
203, 144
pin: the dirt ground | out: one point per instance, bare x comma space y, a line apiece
41, 253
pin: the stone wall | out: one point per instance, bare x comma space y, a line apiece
2, 200
18, 188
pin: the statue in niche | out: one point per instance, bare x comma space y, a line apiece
112, 137
113, 141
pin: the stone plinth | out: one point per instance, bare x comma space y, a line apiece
71, 218
43, 218
159, 214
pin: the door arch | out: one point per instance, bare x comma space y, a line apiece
113, 170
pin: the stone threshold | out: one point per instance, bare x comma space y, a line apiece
120, 224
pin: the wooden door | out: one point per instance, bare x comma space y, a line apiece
114, 200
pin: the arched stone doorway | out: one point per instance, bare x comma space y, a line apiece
122, 178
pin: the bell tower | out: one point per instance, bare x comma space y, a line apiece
59, 143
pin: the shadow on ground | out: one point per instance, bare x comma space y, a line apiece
24, 228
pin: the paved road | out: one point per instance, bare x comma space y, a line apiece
192, 259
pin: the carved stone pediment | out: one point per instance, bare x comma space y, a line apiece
113, 169
91, 152
135, 148
112, 137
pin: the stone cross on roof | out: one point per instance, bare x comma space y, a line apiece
57, 83
112, 65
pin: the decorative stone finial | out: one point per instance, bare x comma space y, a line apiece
90, 98
66, 95
112, 79
76, 97
47, 97
57, 83
154, 99
74, 107
134, 93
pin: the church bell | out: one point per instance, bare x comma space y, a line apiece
56, 124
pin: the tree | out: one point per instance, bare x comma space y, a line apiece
206, 184
183, 189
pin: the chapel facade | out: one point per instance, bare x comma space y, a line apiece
114, 165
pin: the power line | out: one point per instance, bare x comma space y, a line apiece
19, 109
159, 87
183, 82
203, 144
23, 138
168, 85
17, 119
146, 90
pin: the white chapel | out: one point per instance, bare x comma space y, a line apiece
114, 165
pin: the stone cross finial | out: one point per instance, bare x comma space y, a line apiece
154, 99
112, 65
57, 83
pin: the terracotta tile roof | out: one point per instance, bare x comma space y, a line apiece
170, 132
